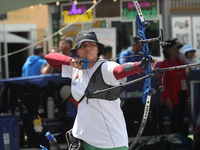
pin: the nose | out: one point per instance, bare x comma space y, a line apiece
88, 47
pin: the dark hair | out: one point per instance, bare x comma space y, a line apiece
68, 40
135, 39
38, 50
107, 48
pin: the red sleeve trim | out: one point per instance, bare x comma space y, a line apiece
56, 60
119, 72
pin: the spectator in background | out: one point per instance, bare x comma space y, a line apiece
175, 93
128, 54
46, 68
65, 45
181, 54
107, 53
189, 52
183, 58
33, 63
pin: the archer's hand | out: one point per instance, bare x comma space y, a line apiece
146, 60
76, 63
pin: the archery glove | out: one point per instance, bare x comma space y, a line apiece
144, 63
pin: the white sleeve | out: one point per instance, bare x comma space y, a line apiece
108, 76
66, 71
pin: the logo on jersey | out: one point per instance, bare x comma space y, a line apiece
76, 78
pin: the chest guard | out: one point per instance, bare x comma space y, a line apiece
97, 83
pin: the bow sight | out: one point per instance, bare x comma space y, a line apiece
160, 39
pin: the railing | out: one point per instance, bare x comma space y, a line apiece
184, 7
183, 3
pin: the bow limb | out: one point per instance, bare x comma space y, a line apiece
143, 123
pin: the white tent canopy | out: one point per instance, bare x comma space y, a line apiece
12, 38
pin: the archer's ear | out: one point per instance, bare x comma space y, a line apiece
77, 52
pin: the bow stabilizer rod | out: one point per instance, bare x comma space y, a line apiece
156, 71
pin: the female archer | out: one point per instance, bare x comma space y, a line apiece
99, 121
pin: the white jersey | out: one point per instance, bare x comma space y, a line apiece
98, 121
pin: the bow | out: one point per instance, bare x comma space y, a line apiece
147, 89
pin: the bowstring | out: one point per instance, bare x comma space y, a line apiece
115, 58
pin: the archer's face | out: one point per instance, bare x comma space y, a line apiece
88, 50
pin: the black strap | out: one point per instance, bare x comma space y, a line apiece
81, 98
88, 84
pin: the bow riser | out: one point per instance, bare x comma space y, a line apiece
142, 25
